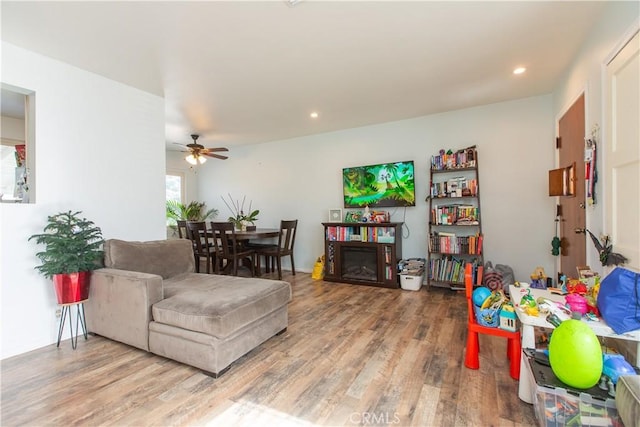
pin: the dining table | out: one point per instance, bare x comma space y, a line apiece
244, 236
258, 233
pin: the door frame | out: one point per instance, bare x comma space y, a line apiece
626, 37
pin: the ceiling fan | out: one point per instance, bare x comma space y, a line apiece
197, 152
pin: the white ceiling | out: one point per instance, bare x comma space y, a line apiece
241, 72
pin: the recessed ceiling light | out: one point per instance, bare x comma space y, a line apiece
314, 115
519, 70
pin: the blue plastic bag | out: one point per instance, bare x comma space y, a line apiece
619, 300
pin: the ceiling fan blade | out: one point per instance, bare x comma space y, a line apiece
217, 156
217, 149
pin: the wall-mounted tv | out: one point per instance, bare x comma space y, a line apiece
383, 185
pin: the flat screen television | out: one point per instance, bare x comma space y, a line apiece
382, 185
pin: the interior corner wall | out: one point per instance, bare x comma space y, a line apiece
100, 151
585, 75
302, 178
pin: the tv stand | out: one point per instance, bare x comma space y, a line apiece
363, 253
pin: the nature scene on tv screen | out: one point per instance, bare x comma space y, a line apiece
383, 185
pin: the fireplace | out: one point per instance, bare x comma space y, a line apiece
359, 263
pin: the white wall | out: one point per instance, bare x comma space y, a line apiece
100, 149
585, 75
301, 178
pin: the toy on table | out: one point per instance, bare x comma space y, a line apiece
576, 303
528, 304
592, 298
563, 283
538, 279
575, 286
555, 312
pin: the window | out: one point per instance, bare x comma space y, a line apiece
17, 145
174, 187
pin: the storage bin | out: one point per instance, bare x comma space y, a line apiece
557, 406
487, 317
410, 282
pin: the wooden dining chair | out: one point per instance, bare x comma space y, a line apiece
182, 229
197, 233
286, 240
229, 249
472, 360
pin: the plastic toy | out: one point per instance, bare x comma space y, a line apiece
614, 365
575, 286
480, 294
508, 318
575, 354
528, 300
538, 279
577, 302
495, 300
563, 284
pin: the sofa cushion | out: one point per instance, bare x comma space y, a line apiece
628, 400
166, 258
220, 305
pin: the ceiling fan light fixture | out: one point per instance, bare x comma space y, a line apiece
194, 160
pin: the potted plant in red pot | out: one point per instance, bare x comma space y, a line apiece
73, 248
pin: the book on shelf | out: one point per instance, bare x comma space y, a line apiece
464, 158
455, 187
450, 243
361, 233
456, 214
332, 233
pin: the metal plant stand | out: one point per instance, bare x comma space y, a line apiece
80, 320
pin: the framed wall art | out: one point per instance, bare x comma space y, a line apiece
335, 215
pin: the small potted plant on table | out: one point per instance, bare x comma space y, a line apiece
73, 248
241, 220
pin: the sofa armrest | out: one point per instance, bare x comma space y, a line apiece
628, 399
119, 305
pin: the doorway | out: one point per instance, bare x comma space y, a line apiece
572, 212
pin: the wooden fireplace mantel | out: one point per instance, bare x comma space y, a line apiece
380, 243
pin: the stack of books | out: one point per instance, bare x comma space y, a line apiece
412, 266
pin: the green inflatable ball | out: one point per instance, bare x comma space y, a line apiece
575, 354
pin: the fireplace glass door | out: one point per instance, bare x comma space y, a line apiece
359, 263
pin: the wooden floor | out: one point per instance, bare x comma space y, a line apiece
352, 355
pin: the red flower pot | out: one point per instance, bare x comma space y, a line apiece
72, 287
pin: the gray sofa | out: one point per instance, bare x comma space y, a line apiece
628, 400
149, 296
